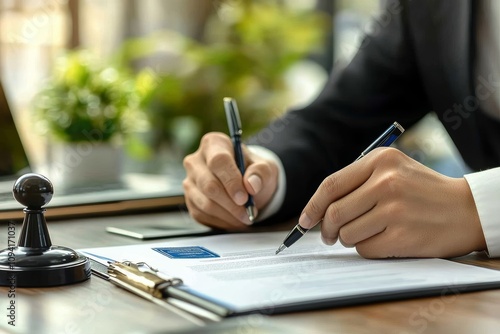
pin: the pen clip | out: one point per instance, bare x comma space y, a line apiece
140, 276
233, 117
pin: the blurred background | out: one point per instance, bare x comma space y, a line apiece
150, 75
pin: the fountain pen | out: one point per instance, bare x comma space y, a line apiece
235, 132
385, 139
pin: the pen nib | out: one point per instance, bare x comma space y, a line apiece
251, 213
281, 248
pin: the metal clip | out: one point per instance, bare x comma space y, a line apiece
141, 276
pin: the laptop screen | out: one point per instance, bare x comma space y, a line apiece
13, 157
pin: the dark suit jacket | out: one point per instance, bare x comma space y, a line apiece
418, 59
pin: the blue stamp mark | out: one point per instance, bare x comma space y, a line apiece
191, 252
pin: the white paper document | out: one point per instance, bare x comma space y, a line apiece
242, 272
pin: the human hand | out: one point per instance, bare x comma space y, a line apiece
214, 189
389, 205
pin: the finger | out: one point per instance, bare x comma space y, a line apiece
332, 188
253, 182
260, 174
392, 242
213, 189
374, 248
261, 181
342, 212
383, 245
364, 227
209, 212
219, 157
199, 176
396, 241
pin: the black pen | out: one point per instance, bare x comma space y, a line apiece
385, 139
235, 131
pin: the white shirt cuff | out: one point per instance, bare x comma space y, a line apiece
279, 195
485, 187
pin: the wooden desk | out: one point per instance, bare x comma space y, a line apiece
95, 306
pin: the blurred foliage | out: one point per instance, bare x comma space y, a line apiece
247, 49
88, 100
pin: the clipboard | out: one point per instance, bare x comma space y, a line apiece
150, 283
146, 282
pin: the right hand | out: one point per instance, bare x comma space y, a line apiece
214, 189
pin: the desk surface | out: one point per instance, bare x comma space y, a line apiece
97, 306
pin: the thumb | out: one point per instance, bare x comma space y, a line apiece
255, 182
261, 178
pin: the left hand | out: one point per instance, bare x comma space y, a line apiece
389, 205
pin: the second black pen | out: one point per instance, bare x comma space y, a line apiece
235, 132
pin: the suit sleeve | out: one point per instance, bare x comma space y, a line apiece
379, 86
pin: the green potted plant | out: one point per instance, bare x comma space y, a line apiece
246, 51
88, 110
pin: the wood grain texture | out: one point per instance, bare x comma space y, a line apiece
96, 306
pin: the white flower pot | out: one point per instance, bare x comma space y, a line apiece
85, 164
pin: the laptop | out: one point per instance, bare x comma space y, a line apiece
13, 159
138, 192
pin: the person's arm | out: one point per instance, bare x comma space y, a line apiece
485, 188
380, 85
389, 205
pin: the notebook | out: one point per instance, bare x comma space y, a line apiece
138, 192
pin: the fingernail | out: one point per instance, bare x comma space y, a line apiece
304, 220
240, 198
255, 182
327, 241
245, 219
